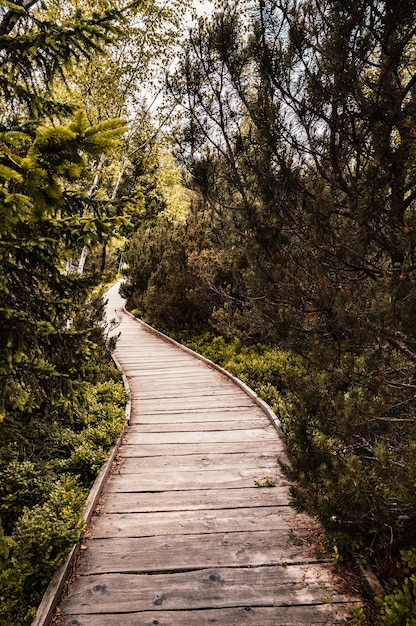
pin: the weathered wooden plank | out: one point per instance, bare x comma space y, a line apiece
198, 426
174, 480
217, 588
179, 407
182, 374
139, 367
243, 410
147, 381
143, 394
272, 518
178, 371
182, 395
231, 436
165, 358
169, 354
142, 361
201, 380
144, 364
192, 462
120, 502
130, 448
217, 390
187, 413
165, 353
197, 423
181, 552
323, 615
204, 402
140, 383
148, 342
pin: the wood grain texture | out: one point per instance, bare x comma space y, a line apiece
203, 499
224, 588
194, 525
179, 552
251, 519
134, 463
321, 615
136, 435
179, 449
171, 480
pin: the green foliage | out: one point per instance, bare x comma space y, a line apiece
61, 402
398, 608
35, 50
20, 485
360, 618
41, 500
45, 336
358, 473
105, 420
41, 540
163, 279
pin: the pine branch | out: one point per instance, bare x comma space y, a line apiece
12, 17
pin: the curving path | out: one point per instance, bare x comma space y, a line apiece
183, 536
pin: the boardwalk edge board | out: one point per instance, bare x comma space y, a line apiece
372, 585
53, 593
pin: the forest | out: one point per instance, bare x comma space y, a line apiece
252, 172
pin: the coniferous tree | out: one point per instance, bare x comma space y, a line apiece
50, 333
59, 194
46, 212
34, 51
300, 136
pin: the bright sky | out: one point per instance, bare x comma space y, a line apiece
203, 7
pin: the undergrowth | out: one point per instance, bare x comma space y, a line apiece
46, 472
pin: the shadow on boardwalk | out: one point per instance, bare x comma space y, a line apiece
183, 536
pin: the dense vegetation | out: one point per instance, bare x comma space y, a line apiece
298, 145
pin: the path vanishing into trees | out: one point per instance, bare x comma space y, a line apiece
186, 534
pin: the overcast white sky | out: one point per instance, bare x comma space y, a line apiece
203, 6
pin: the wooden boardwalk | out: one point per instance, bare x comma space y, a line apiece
183, 536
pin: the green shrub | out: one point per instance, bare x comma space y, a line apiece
399, 607
105, 419
41, 540
261, 367
354, 471
41, 497
20, 485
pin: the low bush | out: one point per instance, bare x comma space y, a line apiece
350, 469
41, 497
398, 608
42, 537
